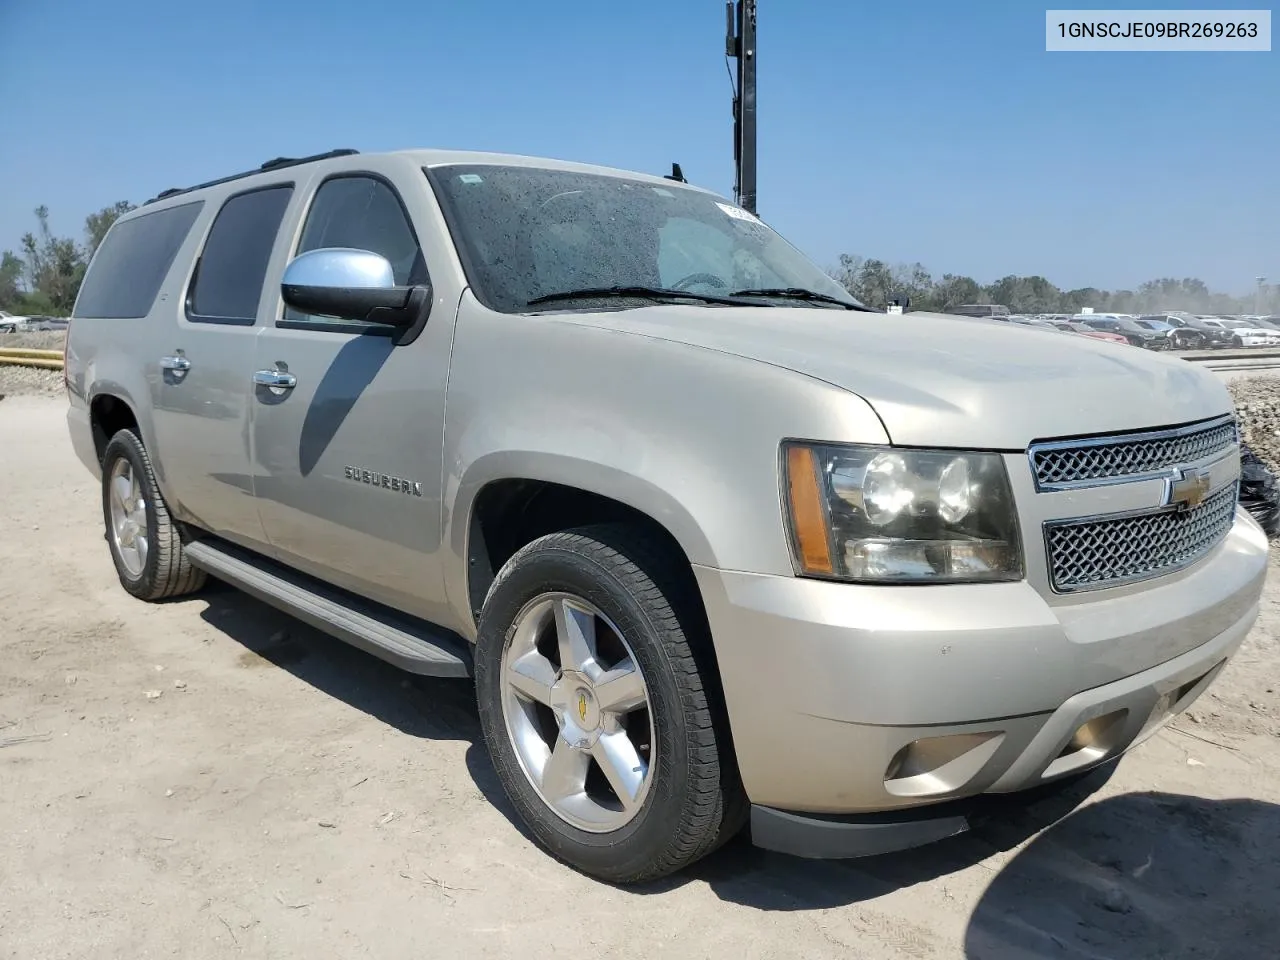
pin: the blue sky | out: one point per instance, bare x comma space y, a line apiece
932, 131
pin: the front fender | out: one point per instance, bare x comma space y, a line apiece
686, 435
591, 476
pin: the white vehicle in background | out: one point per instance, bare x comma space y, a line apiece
1245, 334
10, 323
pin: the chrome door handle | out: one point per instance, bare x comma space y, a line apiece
179, 363
275, 378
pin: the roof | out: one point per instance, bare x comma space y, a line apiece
429, 158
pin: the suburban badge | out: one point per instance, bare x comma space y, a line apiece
387, 482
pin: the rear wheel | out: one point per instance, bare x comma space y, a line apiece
145, 543
594, 708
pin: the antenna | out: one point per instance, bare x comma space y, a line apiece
740, 45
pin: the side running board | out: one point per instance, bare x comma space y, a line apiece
412, 645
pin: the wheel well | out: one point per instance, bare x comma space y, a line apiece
109, 415
510, 513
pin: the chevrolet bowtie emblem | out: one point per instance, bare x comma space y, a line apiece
582, 707
1188, 488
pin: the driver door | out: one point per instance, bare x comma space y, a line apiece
347, 457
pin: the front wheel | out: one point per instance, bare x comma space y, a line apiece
595, 707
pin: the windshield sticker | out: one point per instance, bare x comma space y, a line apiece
737, 212
470, 178
663, 192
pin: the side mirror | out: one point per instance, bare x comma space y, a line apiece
350, 285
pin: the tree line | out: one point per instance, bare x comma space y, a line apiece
877, 283
43, 277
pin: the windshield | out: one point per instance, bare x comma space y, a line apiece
530, 232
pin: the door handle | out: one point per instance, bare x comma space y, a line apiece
277, 379
178, 363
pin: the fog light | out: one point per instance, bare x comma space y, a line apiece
933, 766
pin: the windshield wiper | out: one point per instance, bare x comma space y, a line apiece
632, 293
799, 293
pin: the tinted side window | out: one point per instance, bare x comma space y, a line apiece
129, 267
362, 213
229, 276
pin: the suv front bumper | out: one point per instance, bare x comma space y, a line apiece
850, 701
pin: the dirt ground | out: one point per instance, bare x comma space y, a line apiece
207, 778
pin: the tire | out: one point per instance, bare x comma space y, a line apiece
1237, 342
692, 799
161, 570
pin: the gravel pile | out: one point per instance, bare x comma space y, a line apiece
29, 380
1258, 408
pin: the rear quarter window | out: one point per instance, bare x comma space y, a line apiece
132, 262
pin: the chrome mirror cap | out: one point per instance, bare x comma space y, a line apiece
339, 268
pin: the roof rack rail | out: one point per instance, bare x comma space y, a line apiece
276, 164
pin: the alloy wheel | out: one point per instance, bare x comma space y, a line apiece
128, 509
578, 714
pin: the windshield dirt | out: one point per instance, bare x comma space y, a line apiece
528, 234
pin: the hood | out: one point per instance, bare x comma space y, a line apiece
940, 380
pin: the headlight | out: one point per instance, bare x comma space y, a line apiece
883, 515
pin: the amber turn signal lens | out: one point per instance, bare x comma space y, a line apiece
808, 520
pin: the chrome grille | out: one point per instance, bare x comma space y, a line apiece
1083, 462
1089, 554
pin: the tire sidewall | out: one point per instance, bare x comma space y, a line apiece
558, 570
125, 445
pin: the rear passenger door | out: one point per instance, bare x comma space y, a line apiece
347, 460
202, 387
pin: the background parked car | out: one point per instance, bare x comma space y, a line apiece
1191, 333
1244, 333
1084, 330
1133, 332
995, 310
1035, 322
1159, 326
46, 323
11, 323
1267, 323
